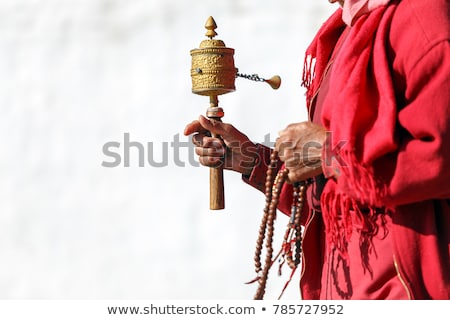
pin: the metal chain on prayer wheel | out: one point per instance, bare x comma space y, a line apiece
213, 73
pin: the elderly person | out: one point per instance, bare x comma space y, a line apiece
377, 224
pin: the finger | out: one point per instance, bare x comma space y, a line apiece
283, 139
294, 162
209, 142
285, 130
216, 126
211, 161
215, 146
207, 146
293, 128
303, 173
228, 133
210, 152
284, 148
194, 126
278, 142
197, 139
292, 178
282, 132
277, 147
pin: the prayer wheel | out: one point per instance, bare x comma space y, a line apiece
213, 73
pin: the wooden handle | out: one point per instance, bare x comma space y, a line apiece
216, 189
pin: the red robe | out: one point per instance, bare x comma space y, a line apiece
383, 227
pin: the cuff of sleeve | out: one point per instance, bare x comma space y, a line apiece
257, 177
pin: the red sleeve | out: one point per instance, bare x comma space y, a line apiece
257, 178
420, 167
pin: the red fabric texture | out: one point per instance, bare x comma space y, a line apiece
363, 118
389, 101
348, 113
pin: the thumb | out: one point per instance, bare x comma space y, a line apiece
213, 126
227, 132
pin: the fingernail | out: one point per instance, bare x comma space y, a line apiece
197, 140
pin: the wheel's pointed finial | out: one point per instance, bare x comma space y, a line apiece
211, 26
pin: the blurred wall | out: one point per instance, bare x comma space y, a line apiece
76, 74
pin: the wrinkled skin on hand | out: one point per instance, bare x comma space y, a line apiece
234, 150
300, 146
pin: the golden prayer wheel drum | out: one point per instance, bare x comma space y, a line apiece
213, 72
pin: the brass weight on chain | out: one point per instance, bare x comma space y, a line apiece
213, 73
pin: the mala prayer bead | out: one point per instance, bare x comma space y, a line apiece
292, 242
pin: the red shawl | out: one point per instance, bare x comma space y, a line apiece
360, 113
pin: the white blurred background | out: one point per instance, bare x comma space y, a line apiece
76, 74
